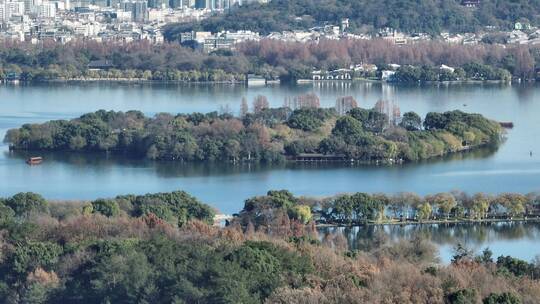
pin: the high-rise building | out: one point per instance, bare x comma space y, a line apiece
80, 3
100, 3
176, 3
115, 3
208, 4
214, 4
158, 3
140, 11
14, 8
28, 5
127, 6
3, 13
200, 4
45, 10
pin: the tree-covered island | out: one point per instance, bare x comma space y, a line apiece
298, 131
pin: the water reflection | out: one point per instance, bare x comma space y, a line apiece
100, 162
520, 237
526, 92
208, 97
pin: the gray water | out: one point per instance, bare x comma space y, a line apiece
83, 176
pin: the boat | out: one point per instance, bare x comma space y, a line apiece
36, 160
506, 124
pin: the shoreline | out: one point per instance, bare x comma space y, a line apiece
432, 222
286, 158
244, 82
451, 82
122, 80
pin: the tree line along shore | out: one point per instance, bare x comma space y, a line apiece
270, 59
300, 130
382, 209
163, 247
282, 206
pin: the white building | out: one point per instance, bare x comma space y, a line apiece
155, 15
12, 35
67, 4
3, 12
387, 75
59, 5
45, 10
14, 8
28, 5
444, 67
122, 16
240, 36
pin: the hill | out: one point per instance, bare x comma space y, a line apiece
427, 16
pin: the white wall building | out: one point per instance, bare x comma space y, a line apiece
155, 15
14, 8
240, 36
387, 75
45, 10
3, 12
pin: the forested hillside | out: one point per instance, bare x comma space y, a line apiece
112, 251
428, 16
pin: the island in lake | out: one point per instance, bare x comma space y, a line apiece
300, 130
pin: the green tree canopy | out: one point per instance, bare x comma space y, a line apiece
26, 203
106, 207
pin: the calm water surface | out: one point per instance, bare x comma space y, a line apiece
510, 168
518, 239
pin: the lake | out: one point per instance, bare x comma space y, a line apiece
518, 239
81, 176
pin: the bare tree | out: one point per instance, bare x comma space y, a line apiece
244, 108
260, 103
345, 104
524, 62
310, 100
225, 109
390, 109
395, 116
